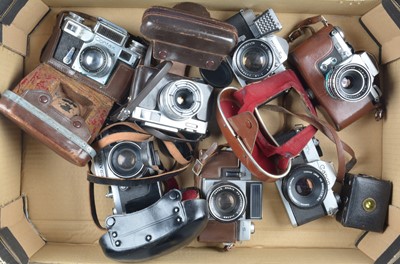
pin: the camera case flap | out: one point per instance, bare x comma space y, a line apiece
117, 85
306, 57
59, 111
239, 121
364, 202
165, 226
188, 37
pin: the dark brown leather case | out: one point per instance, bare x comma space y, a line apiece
179, 35
116, 87
306, 58
60, 112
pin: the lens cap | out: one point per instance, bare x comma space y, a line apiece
220, 78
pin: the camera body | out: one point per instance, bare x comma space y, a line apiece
174, 104
233, 199
125, 160
306, 191
260, 53
94, 51
340, 80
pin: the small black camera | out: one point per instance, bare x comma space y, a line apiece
364, 202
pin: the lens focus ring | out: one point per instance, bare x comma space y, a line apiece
226, 202
95, 61
125, 160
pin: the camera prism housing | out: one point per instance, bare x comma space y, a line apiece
95, 51
175, 104
341, 81
306, 191
260, 53
233, 199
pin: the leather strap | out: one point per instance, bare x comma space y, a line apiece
305, 24
93, 211
203, 158
331, 133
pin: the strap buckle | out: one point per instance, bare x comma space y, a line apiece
197, 167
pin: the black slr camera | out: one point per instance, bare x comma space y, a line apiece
306, 191
260, 53
233, 199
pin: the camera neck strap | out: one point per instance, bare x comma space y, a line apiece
300, 28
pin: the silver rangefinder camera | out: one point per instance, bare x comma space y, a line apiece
306, 191
95, 50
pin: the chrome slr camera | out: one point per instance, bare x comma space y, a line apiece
96, 51
260, 53
306, 191
233, 199
348, 76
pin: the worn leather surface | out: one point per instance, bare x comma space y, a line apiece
305, 58
117, 86
216, 232
179, 35
91, 110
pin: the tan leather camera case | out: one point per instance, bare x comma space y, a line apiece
61, 112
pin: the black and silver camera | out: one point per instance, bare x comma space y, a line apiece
233, 199
259, 53
168, 102
348, 76
95, 50
306, 191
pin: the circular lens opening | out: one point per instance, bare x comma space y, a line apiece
180, 100
305, 186
226, 202
125, 160
93, 60
350, 83
184, 99
253, 60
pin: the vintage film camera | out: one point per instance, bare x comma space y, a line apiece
260, 53
233, 199
341, 80
148, 220
168, 102
306, 191
95, 51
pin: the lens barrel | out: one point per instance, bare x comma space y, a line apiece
125, 160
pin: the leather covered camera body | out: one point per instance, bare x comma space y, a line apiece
340, 80
233, 199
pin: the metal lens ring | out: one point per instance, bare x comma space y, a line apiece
125, 159
95, 61
305, 187
226, 202
180, 100
350, 82
253, 60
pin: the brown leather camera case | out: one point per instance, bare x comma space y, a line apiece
306, 58
59, 111
179, 35
117, 86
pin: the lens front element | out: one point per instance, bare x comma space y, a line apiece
125, 160
226, 202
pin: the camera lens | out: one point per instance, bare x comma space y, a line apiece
305, 186
125, 160
94, 60
253, 60
180, 100
226, 202
349, 82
